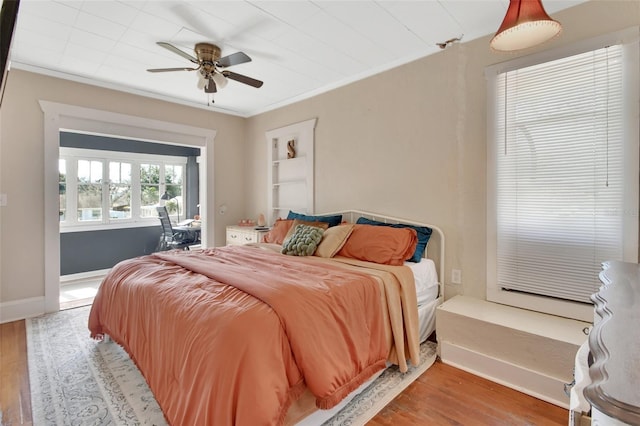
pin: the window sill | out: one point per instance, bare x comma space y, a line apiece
108, 226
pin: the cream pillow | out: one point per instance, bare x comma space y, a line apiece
333, 239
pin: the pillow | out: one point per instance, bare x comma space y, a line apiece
303, 241
333, 239
380, 244
331, 220
323, 225
278, 232
423, 232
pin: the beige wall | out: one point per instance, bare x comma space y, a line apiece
21, 167
411, 142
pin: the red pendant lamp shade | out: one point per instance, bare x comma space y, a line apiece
526, 24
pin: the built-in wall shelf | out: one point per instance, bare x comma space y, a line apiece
290, 169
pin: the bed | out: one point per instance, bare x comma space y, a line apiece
248, 335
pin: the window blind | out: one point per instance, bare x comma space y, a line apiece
560, 141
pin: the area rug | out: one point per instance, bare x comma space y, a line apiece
78, 381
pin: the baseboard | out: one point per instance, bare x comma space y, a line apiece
527, 381
83, 276
21, 309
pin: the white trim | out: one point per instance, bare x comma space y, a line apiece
83, 276
214, 107
120, 224
122, 88
59, 117
120, 155
536, 384
21, 309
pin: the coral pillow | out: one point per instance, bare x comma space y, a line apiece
380, 244
333, 239
424, 234
278, 232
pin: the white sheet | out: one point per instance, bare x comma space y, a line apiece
426, 278
427, 318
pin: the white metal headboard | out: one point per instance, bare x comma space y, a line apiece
435, 247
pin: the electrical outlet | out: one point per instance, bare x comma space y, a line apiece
456, 276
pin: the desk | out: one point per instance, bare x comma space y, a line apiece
187, 234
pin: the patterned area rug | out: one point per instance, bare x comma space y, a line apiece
78, 381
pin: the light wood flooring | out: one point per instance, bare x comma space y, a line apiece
443, 395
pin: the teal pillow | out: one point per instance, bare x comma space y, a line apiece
303, 241
331, 220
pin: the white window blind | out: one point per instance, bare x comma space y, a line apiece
559, 131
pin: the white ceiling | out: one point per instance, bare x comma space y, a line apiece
299, 48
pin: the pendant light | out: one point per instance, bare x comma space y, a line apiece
526, 24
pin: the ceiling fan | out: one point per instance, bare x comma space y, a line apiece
210, 66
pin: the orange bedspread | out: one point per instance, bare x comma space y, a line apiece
232, 335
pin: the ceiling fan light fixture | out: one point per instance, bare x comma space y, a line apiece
202, 82
220, 80
526, 24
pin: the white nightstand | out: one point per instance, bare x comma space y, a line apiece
239, 235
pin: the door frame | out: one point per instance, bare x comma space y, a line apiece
59, 117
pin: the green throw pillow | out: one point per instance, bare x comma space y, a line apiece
303, 241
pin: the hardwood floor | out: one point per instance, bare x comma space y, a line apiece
15, 400
443, 395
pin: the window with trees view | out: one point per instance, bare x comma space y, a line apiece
106, 188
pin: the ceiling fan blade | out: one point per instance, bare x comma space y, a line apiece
174, 49
242, 78
210, 87
171, 69
233, 59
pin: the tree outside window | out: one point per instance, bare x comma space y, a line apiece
89, 190
149, 189
119, 190
173, 186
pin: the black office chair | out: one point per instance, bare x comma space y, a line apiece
170, 238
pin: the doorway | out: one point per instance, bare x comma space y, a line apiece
60, 117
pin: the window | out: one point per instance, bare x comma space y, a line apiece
173, 185
563, 183
109, 188
119, 190
149, 189
89, 190
62, 188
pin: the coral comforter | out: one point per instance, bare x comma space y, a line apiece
233, 335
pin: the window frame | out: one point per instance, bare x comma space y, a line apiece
71, 157
565, 308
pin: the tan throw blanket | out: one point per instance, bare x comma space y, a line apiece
402, 309
232, 335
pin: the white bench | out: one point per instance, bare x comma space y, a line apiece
524, 350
